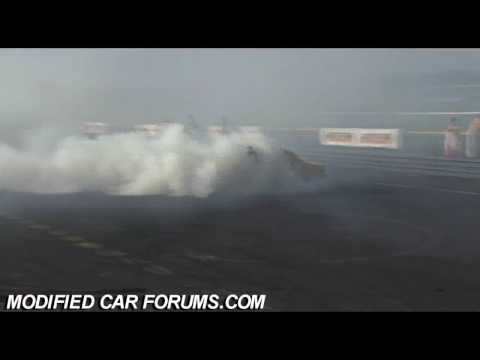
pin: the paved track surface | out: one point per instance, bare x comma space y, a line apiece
370, 244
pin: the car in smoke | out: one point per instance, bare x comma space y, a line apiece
306, 170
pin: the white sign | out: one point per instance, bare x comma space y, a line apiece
373, 138
154, 129
340, 137
216, 130
251, 129
148, 129
94, 128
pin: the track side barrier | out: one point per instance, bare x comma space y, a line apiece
395, 162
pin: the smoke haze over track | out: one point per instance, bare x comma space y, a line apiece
174, 163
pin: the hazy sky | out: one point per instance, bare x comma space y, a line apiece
271, 87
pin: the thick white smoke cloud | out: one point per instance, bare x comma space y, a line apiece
173, 163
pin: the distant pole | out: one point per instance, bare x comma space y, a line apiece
192, 122
224, 123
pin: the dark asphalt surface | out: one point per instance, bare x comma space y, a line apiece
374, 243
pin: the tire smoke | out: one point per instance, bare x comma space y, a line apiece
173, 163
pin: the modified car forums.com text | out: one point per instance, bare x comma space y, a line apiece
133, 302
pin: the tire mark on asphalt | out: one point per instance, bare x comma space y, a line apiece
81, 242
424, 232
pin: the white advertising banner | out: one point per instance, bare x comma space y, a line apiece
373, 138
339, 137
94, 128
215, 130
251, 129
148, 129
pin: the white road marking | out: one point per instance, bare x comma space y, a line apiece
203, 257
207, 257
73, 238
105, 274
13, 218
157, 270
112, 253
38, 227
368, 258
429, 188
25, 222
127, 261
57, 233
81, 242
141, 261
88, 245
